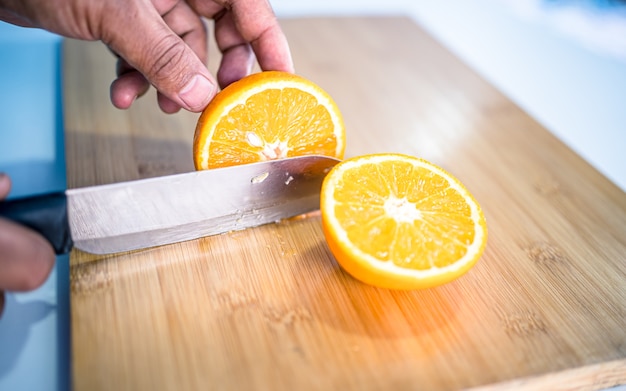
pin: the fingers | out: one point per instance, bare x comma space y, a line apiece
5, 185
143, 38
186, 23
26, 258
247, 30
237, 55
166, 104
239, 23
167, 44
257, 24
128, 86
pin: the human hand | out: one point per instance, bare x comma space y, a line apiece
26, 258
164, 42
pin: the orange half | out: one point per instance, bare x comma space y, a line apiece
266, 116
396, 221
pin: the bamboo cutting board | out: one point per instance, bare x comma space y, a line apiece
268, 308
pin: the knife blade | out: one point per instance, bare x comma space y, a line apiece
151, 212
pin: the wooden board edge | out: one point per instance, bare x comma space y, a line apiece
588, 378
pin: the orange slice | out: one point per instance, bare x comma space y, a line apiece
396, 221
265, 116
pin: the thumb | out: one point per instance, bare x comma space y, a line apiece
5, 185
26, 258
146, 42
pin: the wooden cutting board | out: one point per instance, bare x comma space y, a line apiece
269, 309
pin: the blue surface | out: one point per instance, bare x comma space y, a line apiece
34, 327
31, 120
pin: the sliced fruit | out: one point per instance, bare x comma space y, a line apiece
396, 221
264, 116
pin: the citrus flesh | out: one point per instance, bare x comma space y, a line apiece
400, 222
266, 116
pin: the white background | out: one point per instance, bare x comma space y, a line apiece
565, 65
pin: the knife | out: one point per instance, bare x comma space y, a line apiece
151, 212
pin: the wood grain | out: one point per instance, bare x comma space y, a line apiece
269, 308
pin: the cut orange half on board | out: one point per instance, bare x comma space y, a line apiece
265, 116
396, 221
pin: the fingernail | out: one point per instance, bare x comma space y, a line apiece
197, 93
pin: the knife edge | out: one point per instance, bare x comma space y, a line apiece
132, 215
164, 210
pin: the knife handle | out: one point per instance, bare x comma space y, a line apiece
45, 214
